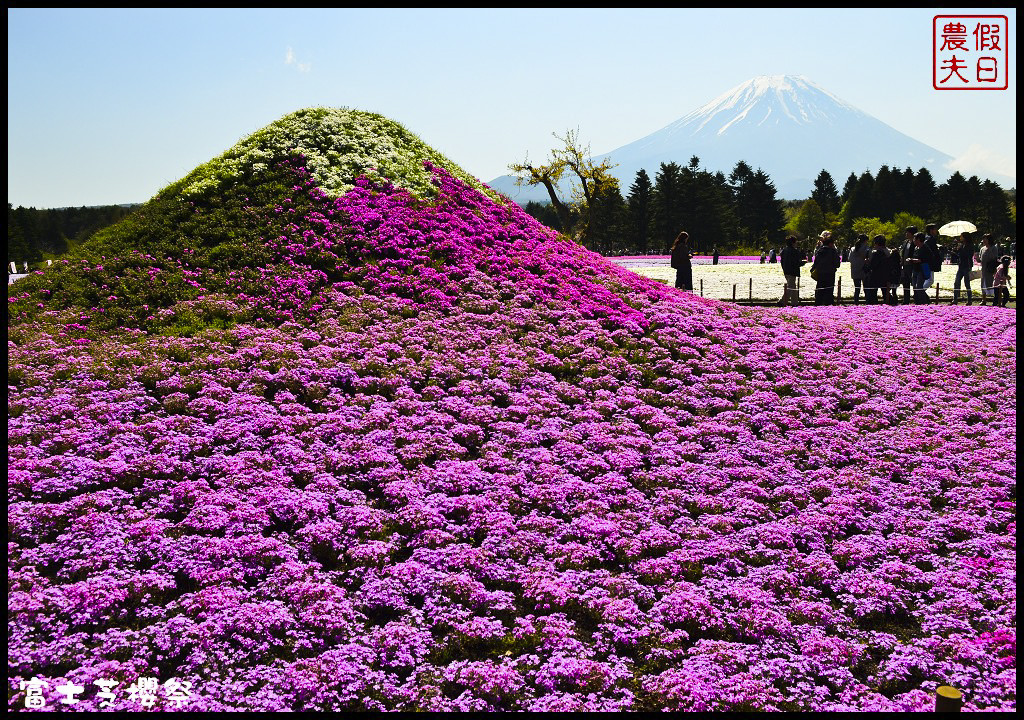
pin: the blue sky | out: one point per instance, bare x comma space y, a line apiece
109, 106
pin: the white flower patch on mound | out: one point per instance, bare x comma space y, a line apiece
339, 145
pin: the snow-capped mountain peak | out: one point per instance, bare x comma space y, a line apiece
784, 124
771, 99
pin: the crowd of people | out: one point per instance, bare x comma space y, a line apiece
902, 274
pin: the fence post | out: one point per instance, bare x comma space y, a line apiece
936, 292
702, 287
734, 292
750, 297
839, 293
948, 699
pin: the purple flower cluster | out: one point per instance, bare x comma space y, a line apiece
473, 466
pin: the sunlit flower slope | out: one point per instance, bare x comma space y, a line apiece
329, 426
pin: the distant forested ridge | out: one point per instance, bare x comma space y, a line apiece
33, 234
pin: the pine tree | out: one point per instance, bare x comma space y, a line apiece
884, 195
993, 211
703, 208
712, 221
640, 212
770, 219
667, 219
952, 198
860, 201
851, 183
606, 221
739, 178
923, 194
904, 188
825, 194
759, 214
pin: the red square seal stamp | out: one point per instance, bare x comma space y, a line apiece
970, 52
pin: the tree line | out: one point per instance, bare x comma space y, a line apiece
34, 234
741, 212
888, 201
738, 212
721, 211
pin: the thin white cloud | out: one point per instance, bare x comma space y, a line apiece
979, 160
289, 59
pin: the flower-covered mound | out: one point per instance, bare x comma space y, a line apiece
421, 454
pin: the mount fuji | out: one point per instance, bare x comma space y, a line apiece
784, 124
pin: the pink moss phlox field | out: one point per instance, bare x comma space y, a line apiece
487, 470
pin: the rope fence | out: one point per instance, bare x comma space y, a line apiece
747, 282
761, 291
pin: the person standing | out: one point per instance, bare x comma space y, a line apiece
921, 262
895, 274
681, 261
876, 272
964, 258
858, 256
714, 257
826, 262
906, 253
791, 260
988, 258
931, 239
1000, 280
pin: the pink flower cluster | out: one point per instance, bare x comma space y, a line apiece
476, 467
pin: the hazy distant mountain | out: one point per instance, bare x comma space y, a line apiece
783, 124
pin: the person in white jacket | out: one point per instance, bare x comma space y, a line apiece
988, 258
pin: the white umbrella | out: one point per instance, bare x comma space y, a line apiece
955, 228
